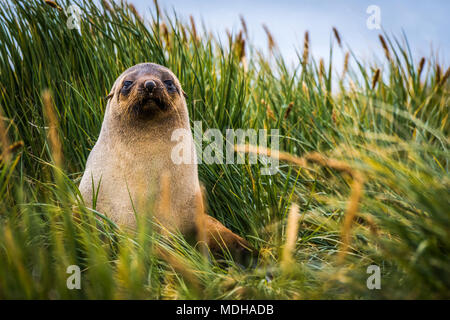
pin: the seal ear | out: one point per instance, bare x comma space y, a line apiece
111, 93
109, 96
184, 94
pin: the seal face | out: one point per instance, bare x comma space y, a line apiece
145, 90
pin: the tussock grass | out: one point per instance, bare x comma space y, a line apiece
387, 121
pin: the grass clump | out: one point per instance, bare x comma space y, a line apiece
387, 122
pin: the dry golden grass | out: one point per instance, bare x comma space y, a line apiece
291, 238
317, 158
53, 126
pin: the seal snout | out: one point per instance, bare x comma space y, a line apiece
149, 85
150, 94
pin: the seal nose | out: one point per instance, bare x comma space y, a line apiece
149, 85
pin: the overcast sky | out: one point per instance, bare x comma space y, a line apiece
426, 23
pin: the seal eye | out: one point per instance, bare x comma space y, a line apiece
170, 85
126, 87
127, 84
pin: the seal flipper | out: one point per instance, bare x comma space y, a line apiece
221, 240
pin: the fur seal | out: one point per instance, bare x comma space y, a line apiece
145, 105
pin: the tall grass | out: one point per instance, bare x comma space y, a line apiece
388, 121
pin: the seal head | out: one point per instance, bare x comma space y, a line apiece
144, 91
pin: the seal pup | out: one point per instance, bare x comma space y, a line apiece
133, 152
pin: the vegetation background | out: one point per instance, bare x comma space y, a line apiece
366, 181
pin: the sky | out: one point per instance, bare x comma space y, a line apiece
425, 23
